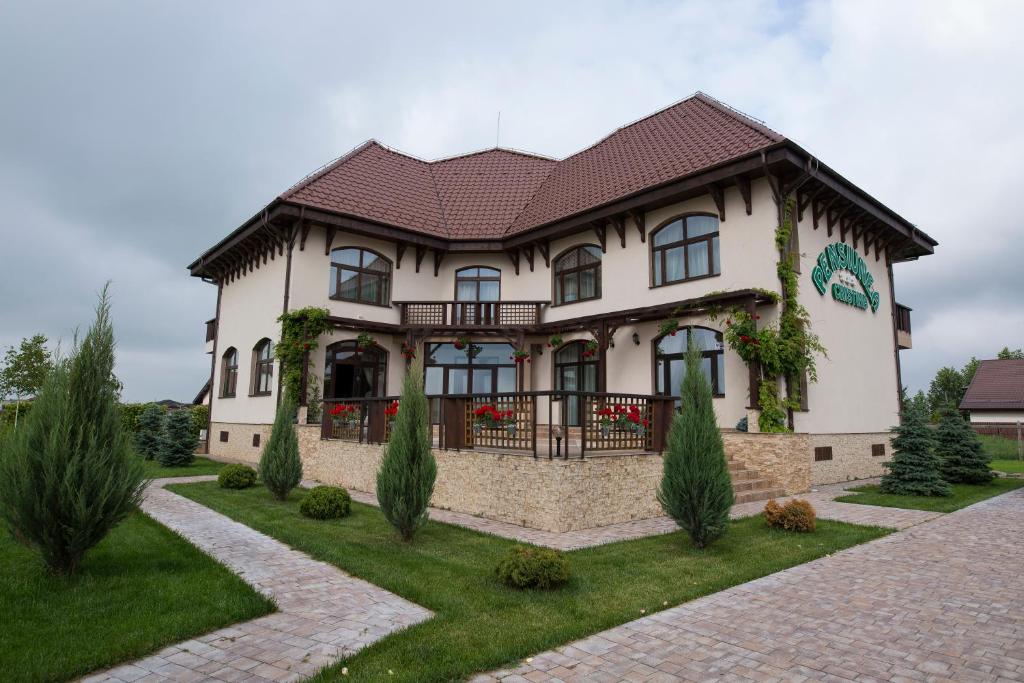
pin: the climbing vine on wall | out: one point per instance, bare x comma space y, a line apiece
300, 330
786, 348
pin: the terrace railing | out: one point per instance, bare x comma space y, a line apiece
470, 314
514, 422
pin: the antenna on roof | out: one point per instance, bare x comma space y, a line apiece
497, 135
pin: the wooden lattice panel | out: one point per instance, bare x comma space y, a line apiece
519, 438
622, 434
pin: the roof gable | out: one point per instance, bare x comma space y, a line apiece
997, 385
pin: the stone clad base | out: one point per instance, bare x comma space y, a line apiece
562, 495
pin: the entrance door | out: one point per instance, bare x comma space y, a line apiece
574, 372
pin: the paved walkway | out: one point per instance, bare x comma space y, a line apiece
324, 614
821, 499
938, 602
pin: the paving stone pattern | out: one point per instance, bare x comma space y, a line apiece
940, 601
324, 614
821, 499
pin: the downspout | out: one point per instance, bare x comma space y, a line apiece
895, 338
287, 290
213, 364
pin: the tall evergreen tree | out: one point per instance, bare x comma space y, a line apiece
696, 490
962, 459
914, 468
405, 480
178, 445
150, 431
280, 466
69, 476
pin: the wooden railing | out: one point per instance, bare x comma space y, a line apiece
903, 318
470, 314
211, 329
601, 422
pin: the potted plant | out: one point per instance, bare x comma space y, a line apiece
521, 356
555, 341
489, 417
344, 415
590, 348
390, 413
364, 341
621, 418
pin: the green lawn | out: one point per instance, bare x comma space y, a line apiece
963, 495
155, 470
480, 624
999, 448
141, 588
1009, 466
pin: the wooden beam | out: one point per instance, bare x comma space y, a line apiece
743, 185
619, 223
305, 233
399, 253
421, 251
438, 257
528, 253
545, 250
602, 235
718, 197
640, 221
513, 256
853, 233
880, 245
331, 232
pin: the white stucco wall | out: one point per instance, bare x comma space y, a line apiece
856, 389
1007, 416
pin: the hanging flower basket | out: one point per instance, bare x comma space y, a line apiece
408, 351
555, 341
364, 341
462, 342
520, 356
668, 328
590, 349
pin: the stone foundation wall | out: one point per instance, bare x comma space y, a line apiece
786, 458
851, 457
238, 447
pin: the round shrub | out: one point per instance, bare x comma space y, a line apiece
326, 502
528, 567
796, 515
236, 477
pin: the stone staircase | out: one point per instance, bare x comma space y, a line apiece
750, 485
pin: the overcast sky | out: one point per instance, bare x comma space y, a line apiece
134, 135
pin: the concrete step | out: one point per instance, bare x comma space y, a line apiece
759, 495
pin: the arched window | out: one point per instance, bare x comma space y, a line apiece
575, 372
262, 368
229, 373
578, 274
685, 249
353, 373
360, 275
670, 360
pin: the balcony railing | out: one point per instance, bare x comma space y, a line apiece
577, 423
470, 314
211, 329
903, 318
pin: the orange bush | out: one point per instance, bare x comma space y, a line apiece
796, 515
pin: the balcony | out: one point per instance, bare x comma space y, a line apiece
549, 424
211, 334
470, 315
903, 339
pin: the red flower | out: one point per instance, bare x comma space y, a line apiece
645, 422
757, 317
605, 412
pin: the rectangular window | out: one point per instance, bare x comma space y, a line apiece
255, 440
822, 453
224, 437
685, 249
877, 450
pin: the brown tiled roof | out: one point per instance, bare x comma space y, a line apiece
997, 385
498, 192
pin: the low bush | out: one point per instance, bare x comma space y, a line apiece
796, 515
236, 477
529, 567
326, 502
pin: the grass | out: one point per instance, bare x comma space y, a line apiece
155, 470
481, 625
963, 495
143, 587
998, 447
1008, 466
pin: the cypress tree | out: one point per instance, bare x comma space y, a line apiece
280, 466
914, 468
150, 431
69, 476
963, 461
178, 445
405, 480
696, 490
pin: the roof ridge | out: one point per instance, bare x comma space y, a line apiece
440, 202
508, 150
529, 201
744, 118
308, 179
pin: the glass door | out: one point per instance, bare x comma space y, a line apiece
474, 287
574, 372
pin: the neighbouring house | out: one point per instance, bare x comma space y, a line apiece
551, 302
995, 398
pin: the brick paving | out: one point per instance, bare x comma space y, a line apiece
937, 602
323, 613
821, 499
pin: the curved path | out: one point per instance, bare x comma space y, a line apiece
323, 613
940, 601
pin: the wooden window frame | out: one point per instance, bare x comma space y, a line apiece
558, 277
384, 299
262, 367
878, 450
477, 279
660, 252
716, 381
380, 368
229, 374
822, 453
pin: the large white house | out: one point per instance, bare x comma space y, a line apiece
545, 287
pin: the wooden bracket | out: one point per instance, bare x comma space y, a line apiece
545, 250
305, 233
421, 251
513, 256
438, 257
399, 253
331, 232
619, 223
640, 219
743, 185
718, 196
528, 253
602, 235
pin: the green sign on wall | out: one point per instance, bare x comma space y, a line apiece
840, 256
